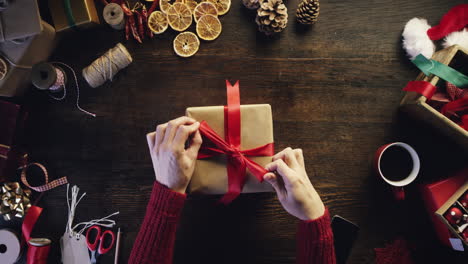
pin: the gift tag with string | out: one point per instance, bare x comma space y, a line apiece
73, 243
74, 249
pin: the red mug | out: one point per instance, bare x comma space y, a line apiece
397, 186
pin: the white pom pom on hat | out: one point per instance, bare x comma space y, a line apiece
418, 34
457, 38
415, 38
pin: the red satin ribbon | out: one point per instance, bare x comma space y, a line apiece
30, 220
421, 87
427, 90
237, 161
38, 255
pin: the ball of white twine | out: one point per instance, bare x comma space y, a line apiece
106, 67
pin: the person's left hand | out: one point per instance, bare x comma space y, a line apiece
173, 163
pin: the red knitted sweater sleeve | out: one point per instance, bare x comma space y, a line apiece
315, 241
155, 241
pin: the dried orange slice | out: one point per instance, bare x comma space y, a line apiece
186, 44
204, 8
191, 4
208, 27
221, 5
179, 16
157, 22
165, 4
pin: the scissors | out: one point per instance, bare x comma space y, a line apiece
97, 245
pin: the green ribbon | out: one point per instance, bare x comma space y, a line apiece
441, 70
69, 13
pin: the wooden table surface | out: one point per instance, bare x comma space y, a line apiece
334, 89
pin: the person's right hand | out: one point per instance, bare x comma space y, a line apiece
173, 161
292, 185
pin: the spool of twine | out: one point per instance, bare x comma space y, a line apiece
45, 76
114, 16
50, 77
106, 67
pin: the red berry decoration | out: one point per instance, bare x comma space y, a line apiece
464, 200
465, 234
454, 215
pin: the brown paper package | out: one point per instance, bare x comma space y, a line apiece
210, 176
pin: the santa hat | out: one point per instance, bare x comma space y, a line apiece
418, 35
455, 20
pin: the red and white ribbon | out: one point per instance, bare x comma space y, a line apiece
45, 187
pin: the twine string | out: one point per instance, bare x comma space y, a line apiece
72, 204
61, 83
107, 66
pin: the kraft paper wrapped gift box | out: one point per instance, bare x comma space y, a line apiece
417, 105
30, 51
210, 176
19, 20
73, 13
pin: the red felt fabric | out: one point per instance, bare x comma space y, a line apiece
155, 241
8, 117
397, 252
454, 20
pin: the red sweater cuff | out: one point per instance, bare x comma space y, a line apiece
166, 201
318, 228
315, 241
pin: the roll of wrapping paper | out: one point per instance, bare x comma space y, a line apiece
10, 247
38, 250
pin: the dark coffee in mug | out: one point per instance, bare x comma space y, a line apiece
396, 163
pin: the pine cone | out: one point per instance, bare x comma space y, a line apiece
272, 16
308, 12
251, 4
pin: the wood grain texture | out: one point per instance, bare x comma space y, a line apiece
334, 90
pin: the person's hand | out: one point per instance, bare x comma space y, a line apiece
292, 185
173, 162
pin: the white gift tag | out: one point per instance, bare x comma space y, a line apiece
74, 250
456, 244
73, 243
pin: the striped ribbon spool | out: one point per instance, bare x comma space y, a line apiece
51, 77
45, 187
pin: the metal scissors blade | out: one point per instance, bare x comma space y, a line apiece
93, 257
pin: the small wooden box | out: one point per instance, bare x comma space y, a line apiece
447, 205
416, 104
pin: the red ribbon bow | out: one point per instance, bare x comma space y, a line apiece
237, 160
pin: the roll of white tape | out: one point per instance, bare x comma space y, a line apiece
114, 16
9, 247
